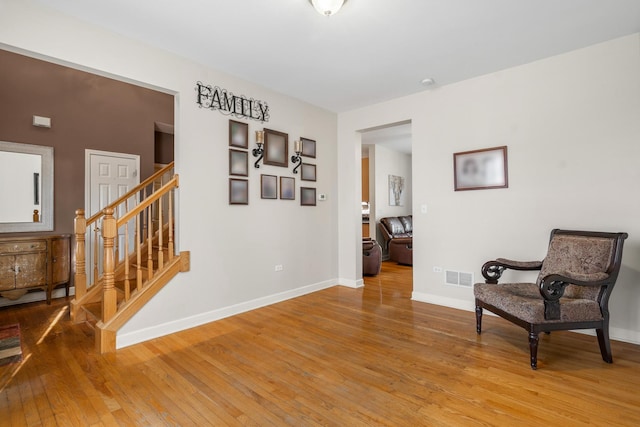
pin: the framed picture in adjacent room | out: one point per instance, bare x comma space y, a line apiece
276, 148
238, 191
287, 188
238, 162
307, 196
480, 169
308, 172
308, 147
268, 186
238, 134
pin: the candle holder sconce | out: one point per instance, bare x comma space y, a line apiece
259, 152
297, 147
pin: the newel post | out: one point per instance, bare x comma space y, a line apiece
80, 277
109, 229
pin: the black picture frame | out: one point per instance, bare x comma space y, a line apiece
287, 188
238, 162
308, 147
307, 196
238, 191
276, 148
480, 169
308, 172
238, 134
268, 186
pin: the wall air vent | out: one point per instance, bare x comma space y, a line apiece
458, 278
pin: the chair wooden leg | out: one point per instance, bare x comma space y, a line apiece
478, 319
533, 349
605, 344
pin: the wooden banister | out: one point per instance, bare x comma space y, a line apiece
131, 192
109, 232
173, 183
80, 229
136, 235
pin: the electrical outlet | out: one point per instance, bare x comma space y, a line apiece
437, 269
279, 267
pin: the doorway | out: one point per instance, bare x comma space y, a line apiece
386, 157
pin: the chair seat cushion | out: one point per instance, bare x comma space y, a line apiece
523, 300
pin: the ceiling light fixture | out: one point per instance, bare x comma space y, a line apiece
327, 7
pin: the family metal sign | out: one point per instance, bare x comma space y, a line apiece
227, 103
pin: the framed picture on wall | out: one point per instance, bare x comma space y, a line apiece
396, 190
287, 188
238, 162
238, 134
276, 148
308, 172
480, 169
308, 147
307, 196
268, 186
238, 191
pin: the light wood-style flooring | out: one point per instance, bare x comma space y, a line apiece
338, 357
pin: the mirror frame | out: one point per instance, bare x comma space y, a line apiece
46, 198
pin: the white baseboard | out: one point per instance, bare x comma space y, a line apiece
135, 337
444, 301
351, 283
618, 334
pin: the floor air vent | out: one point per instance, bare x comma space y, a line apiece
458, 278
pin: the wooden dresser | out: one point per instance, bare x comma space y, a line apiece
34, 262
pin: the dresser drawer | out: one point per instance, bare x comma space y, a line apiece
17, 247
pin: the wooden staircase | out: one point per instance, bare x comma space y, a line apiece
134, 256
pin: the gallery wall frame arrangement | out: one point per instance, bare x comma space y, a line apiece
308, 172
238, 162
307, 196
268, 186
287, 188
480, 169
276, 148
308, 147
238, 191
238, 134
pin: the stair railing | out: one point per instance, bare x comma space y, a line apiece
140, 219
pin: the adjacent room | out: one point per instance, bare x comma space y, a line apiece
311, 212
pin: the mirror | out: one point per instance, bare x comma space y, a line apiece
26, 178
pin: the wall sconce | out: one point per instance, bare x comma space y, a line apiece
260, 150
296, 159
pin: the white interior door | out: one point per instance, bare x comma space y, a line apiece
108, 176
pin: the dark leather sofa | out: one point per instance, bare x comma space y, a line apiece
397, 235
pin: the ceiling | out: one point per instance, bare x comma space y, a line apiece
372, 50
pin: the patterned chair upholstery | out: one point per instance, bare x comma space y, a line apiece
572, 290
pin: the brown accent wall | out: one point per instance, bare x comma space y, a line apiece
86, 111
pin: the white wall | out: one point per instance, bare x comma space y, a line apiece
571, 124
233, 248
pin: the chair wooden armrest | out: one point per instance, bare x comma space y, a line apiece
552, 288
492, 270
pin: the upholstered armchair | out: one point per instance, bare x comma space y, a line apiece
572, 290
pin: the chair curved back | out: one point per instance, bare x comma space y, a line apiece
573, 253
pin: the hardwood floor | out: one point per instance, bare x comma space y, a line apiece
338, 357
